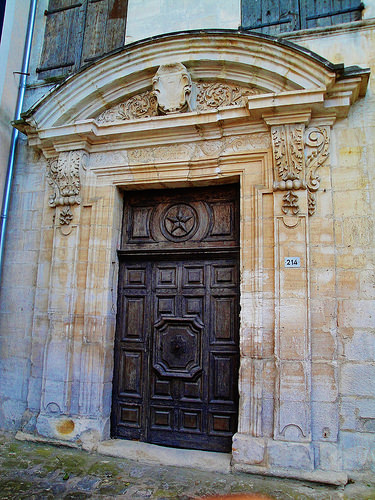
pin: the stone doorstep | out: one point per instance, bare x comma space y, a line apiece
195, 459
147, 453
152, 453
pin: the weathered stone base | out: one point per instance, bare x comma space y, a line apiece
88, 431
316, 476
269, 457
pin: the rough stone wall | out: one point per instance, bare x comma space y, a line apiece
343, 263
19, 281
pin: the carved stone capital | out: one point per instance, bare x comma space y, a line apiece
288, 150
64, 176
298, 154
289, 163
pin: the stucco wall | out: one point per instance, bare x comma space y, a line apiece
166, 16
11, 53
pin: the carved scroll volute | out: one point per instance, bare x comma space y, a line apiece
172, 88
64, 176
289, 164
316, 153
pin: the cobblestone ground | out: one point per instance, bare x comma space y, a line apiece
40, 471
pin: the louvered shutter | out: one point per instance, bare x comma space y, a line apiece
63, 38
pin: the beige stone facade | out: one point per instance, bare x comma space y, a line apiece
296, 132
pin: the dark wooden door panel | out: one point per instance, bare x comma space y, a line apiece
176, 362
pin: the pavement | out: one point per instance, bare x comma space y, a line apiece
31, 471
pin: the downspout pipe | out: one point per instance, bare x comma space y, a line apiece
15, 132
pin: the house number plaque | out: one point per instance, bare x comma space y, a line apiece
292, 262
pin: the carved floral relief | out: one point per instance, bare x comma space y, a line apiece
64, 176
139, 106
66, 216
173, 92
214, 95
287, 141
290, 204
316, 151
203, 149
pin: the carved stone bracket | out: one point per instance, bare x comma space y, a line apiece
64, 176
298, 154
289, 163
316, 154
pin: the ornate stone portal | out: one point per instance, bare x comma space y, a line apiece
222, 122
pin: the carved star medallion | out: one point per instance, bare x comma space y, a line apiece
179, 221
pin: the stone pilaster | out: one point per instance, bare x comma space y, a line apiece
64, 175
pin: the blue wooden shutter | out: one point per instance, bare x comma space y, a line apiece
270, 16
315, 13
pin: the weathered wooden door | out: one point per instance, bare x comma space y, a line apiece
176, 351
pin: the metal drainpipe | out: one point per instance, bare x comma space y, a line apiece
14, 139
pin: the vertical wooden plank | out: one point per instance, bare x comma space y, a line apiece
63, 38
251, 13
104, 29
116, 24
270, 16
95, 30
320, 13
318, 7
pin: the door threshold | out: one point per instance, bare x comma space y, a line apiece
163, 455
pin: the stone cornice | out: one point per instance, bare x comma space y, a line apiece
297, 106
263, 78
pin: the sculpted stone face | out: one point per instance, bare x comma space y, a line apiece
172, 87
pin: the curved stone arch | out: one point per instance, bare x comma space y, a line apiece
261, 61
